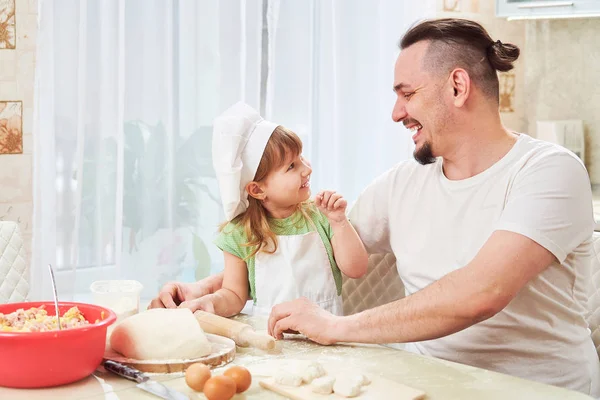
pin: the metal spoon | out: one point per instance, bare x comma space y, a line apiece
55, 295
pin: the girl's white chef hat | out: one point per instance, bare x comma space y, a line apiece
240, 136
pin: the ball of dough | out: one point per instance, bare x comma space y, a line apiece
362, 380
323, 385
161, 334
287, 378
313, 371
346, 387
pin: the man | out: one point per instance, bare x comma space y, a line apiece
491, 229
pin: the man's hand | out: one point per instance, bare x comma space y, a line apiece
304, 317
175, 293
332, 204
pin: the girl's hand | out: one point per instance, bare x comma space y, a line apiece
332, 204
204, 303
175, 293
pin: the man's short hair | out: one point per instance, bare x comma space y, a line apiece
460, 43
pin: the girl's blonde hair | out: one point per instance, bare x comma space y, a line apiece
282, 145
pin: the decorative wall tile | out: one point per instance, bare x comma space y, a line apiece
27, 119
27, 143
11, 127
459, 6
452, 5
8, 34
507, 91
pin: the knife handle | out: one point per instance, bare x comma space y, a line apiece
124, 371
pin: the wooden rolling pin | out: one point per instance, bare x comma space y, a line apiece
242, 334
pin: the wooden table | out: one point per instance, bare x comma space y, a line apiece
441, 380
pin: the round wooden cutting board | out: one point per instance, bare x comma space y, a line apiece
223, 352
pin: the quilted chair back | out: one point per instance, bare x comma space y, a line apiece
14, 268
594, 297
380, 285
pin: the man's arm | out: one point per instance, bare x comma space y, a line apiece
457, 301
460, 299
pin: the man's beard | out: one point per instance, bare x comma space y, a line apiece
424, 155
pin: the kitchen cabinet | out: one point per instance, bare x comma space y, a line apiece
524, 9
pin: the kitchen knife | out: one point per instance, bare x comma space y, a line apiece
143, 381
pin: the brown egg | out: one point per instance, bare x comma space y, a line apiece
219, 388
241, 376
196, 376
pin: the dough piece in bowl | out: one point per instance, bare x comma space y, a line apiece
161, 334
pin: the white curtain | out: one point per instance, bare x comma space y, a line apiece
126, 91
331, 81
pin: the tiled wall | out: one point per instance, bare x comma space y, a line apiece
562, 72
17, 67
512, 93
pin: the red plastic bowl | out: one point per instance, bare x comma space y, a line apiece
45, 359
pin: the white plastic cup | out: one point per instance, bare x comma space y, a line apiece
121, 296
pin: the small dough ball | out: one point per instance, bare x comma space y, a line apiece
313, 371
323, 385
219, 388
161, 334
346, 387
288, 378
241, 376
362, 380
196, 376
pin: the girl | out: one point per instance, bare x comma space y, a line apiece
277, 244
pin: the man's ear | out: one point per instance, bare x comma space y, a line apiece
255, 190
460, 82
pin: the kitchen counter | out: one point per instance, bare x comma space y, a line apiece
438, 378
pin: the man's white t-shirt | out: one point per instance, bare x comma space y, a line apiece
434, 226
